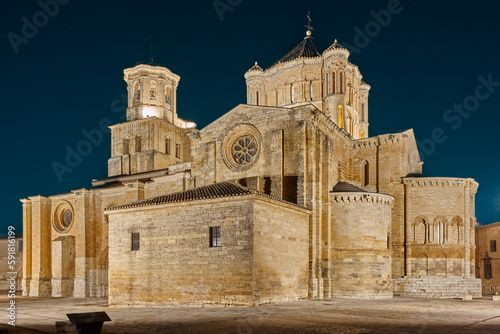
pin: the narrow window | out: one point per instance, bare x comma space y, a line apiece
311, 90
334, 82
366, 173
327, 84
493, 246
167, 94
277, 102
178, 151
167, 146
20, 246
362, 112
137, 92
126, 146
340, 117
257, 95
136, 243
152, 91
362, 135
342, 82
138, 143
215, 236
292, 92
488, 272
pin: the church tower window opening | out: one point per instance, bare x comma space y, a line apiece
292, 93
311, 89
334, 82
167, 146
340, 117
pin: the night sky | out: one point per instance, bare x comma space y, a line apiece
65, 77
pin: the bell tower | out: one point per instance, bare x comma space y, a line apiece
152, 92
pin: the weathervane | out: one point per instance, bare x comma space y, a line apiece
308, 26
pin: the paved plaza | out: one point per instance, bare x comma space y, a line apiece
397, 315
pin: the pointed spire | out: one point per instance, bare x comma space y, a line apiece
255, 67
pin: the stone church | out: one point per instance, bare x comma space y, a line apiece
284, 198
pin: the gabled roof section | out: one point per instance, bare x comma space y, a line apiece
223, 189
217, 190
335, 46
345, 187
306, 49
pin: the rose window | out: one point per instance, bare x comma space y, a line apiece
244, 149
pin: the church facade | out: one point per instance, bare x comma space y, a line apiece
286, 197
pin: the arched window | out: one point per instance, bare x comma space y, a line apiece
362, 112
342, 82
138, 143
178, 151
126, 146
168, 92
137, 91
327, 82
440, 232
167, 146
365, 171
334, 82
152, 91
362, 135
292, 93
311, 89
257, 98
340, 117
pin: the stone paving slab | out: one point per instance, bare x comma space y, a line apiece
398, 315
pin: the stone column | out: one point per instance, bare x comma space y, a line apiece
407, 217
467, 233
277, 167
40, 247
27, 221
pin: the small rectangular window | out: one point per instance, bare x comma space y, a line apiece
215, 236
493, 246
136, 243
488, 272
20, 246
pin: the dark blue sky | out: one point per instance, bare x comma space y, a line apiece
67, 77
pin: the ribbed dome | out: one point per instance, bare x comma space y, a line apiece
306, 49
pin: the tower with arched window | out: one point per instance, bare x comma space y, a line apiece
327, 80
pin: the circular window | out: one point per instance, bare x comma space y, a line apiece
244, 149
241, 147
67, 218
63, 216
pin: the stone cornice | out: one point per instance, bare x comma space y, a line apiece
440, 182
352, 197
131, 124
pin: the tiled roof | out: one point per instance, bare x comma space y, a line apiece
306, 49
217, 190
223, 189
345, 187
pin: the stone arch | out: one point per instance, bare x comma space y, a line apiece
420, 230
440, 265
138, 143
458, 230
137, 92
440, 229
102, 272
152, 90
421, 265
365, 173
